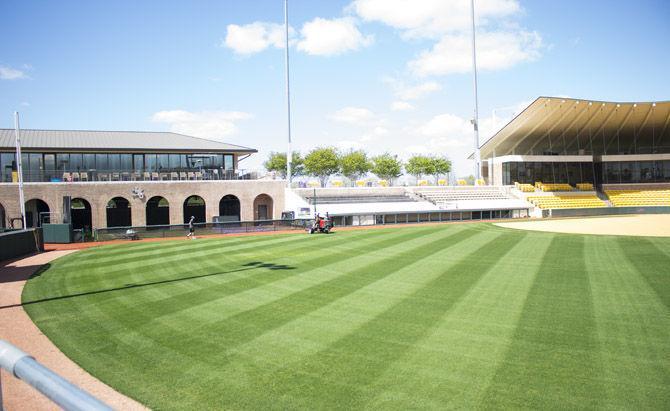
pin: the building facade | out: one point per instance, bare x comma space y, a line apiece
122, 179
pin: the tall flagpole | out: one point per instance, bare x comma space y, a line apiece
19, 167
289, 153
475, 121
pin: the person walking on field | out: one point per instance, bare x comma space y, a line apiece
191, 229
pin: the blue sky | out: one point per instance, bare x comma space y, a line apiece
383, 75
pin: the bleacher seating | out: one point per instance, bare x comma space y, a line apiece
473, 193
634, 198
345, 199
566, 201
584, 186
555, 187
525, 188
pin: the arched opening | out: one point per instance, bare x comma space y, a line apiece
80, 211
118, 213
263, 207
229, 208
158, 211
3, 225
194, 206
35, 208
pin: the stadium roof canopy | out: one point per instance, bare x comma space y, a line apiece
123, 141
555, 125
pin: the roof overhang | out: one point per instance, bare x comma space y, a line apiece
557, 117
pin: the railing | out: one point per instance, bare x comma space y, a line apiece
176, 230
57, 176
62, 392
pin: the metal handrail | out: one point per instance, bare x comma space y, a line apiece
62, 392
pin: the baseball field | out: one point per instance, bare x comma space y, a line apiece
457, 316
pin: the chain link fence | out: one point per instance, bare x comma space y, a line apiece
177, 230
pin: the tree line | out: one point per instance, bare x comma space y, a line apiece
325, 162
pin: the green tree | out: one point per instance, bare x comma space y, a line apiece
440, 167
322, 162
355, 164
419, 165
277, 162
387, 167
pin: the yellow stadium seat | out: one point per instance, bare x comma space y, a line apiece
637, 198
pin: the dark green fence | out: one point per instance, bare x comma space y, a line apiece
20, 242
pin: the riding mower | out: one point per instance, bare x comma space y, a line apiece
321, 225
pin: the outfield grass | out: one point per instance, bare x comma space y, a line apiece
456, 316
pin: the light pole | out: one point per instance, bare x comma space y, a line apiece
475, 121
19, 168
289, 153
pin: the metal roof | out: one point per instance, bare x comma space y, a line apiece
568, 126
112, 141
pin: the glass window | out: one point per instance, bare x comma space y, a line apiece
646, 171
150, 162
628, 171
36, 167
163, 161
76, 161
126, 162
114, 162
6, 162
183, 161
138, 162
666, 170
174, 161
50, 162
228, 161
612, 173
101, 162
89, 161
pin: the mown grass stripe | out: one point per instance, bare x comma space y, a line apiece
554, 352
454, 364
243, 327
651, 263
315, 331
344, 374
194, 264
633, 329
258, 275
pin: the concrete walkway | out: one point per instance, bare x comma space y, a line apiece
17, 328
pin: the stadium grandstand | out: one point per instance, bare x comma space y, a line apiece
573, 153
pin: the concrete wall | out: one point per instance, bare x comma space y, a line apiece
98, 195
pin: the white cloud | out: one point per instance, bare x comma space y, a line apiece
353, 115
432, 18
205, 124
323, 37
501, 42
24, 104
401, 106
418, 91
495, 50
255, 37
8, 73
445, 124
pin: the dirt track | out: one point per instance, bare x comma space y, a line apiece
651, 225
17, 328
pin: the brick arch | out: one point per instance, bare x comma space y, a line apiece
263, 207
